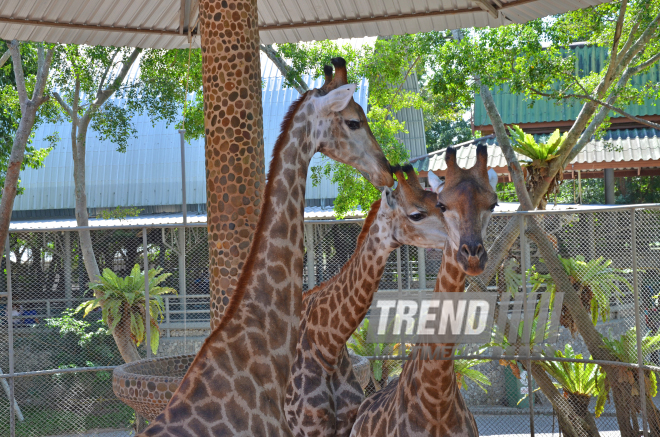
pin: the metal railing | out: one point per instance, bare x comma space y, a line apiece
56, 376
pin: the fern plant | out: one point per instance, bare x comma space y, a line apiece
595, 281
540, 156
380, 369
465, 372
123, 302
580, 381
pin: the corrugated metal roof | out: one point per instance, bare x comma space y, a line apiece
625, 146
515, 108
148, 173
155, 23
415, 139
311, 213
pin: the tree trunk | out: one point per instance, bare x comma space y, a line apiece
122, 334
29, 108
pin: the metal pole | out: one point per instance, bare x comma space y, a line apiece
523, 267
184, 206
638, 323
68, 293
10, 341
182, 238
421, 266
398, 269
147, 315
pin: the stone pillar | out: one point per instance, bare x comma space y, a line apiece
235, 176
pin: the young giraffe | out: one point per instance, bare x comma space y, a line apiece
426, 400
236, 384
324, 395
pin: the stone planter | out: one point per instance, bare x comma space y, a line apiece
148, 385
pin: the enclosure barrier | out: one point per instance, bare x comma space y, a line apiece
57, 370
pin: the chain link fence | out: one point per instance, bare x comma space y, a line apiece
57, 365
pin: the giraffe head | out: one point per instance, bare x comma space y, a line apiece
339, 127
412, 212
467, 199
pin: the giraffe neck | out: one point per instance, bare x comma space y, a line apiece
335, 309
432, 375
275, 263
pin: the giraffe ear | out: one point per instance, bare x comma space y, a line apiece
387, 198
336, 100
492, 178
435, 182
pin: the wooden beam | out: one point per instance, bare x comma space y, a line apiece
182, 16
486, 6
92, 27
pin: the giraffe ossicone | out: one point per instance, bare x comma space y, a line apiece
236, 384
425, 400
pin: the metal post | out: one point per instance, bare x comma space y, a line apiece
402, 348
421, 266
182, 238
609, 186
398, 269
309, 242
638, 323
10, 341
523, 267
68, 294
147, 315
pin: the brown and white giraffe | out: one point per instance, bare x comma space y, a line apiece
236, 385
426, 400
323, 394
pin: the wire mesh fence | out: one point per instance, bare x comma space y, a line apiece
57, 365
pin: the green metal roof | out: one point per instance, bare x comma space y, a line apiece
515, 108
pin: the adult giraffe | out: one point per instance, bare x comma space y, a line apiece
425, 400
324, 395
236, 384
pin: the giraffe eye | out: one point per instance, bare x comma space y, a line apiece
416, 216
353, 124
442, 207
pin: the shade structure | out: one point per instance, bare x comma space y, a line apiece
170, 23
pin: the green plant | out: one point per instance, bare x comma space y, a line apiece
120, 213
464, 371
595, 281
380, 369
124, 302
625, 349
540, 155
580, 381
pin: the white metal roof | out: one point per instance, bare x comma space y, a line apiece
148, 173
311, 214
165, 23
625, 146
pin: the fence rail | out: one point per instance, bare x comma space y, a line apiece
58, 367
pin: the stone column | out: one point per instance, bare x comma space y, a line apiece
235, 176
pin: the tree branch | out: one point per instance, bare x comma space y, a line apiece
14, 49
4, 58
284, 68
63, 104
617, 37
105, 73
43, 70
104, 95
505, 144
601, 103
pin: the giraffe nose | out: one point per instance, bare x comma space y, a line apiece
472, 250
